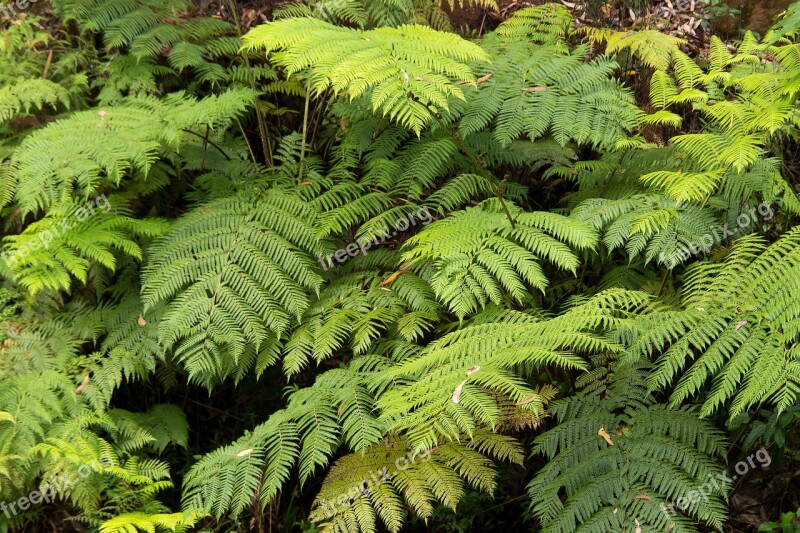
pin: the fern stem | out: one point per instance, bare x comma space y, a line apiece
305, 136
663, 282
247, 141
205, 149
266, 145
212, 143
478, 164
47, 64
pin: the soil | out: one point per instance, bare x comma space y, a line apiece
482, 19
756, 16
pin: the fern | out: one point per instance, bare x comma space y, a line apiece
653, 48
618, 461
24, 95
244, 265
737, 327
475, 366
407, 71
567, 97
71, 238
361, 488
547, 24
99, 148
491, 255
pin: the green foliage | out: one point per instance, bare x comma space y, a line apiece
92, 150
445, 253
19, 98
363, 487
491, 256
407, 72
73, 237
574, 100
737, 326
619, 461
244, 266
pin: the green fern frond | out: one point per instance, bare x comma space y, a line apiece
24, 95
408, 71
479, 255
244, 267
613, 467
737, 327
101, 147
73, 237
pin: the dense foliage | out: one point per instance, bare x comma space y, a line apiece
351, 270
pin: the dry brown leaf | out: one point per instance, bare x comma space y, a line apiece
83, 385
141, 320
484, 78
394, 276
242, 453
532, 89
642, 497
405, 267
740, 324
603, 433
527, 400
457, 392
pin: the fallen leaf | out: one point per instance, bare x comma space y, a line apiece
484, 78
527, 400
83, 385
740, 324
534, 89
457, 392
638, 526
141, 321
306, 183
242, 453
603, 433
642, 497
394, 276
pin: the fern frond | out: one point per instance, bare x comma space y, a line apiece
408, 71
244, 267
478, 254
